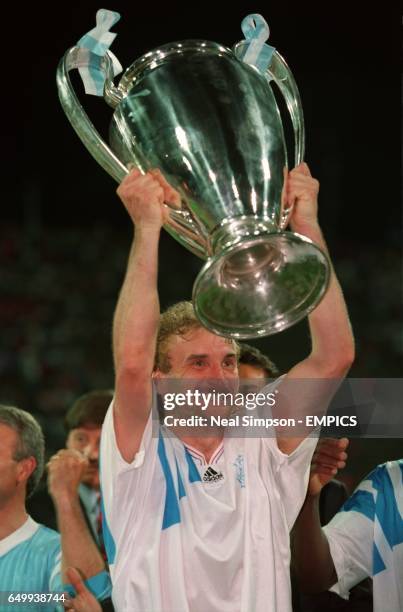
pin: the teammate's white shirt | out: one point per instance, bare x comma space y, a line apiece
366, 537
182, 540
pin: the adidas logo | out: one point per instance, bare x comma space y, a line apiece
210, 475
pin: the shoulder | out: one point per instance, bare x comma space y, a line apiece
381, 487
46, 540
386, 474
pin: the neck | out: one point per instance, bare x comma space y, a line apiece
205, 445
12, 516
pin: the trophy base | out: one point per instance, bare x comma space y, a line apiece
260, 286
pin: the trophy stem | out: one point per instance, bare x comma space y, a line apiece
259, 283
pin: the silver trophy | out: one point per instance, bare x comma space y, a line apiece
209, 121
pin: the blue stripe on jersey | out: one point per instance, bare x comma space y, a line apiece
387, 511
172, 514
109, 542
377, 562
181, 488
384, 507
361, 501
194, 475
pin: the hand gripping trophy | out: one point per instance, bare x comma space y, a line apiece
206, 116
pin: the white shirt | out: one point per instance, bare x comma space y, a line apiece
366, 538
176, 543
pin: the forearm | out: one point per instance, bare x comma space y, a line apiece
311, 553
137, 312
331, 334
78, 546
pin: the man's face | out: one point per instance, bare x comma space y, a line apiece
199, 354
201, 362
13, 474
86, 440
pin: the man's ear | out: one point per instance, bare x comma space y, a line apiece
25, 468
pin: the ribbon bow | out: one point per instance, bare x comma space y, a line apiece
98, 40
256, 32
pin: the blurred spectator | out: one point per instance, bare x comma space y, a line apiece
30, 554
83, 425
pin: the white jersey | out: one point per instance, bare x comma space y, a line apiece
366, 537
183, 536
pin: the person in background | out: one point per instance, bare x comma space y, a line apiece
256, 366
83, 425
31, 557
253, 364
364, 539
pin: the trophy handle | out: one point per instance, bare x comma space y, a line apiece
181, 224
280, 73
78, 57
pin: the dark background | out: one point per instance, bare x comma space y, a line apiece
65, 236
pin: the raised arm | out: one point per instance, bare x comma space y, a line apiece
65, 471
332, 342
137, 312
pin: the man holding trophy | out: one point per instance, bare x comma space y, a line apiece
175, 542
201, 523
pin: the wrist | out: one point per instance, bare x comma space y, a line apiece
65, 500
312, 498
306, 226
147, 228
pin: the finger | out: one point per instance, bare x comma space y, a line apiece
327, 471
340, 465
134, 173
75, 580
133, 170
341, 443
171, 196
320, 461
300, 180
302, 168
333, 454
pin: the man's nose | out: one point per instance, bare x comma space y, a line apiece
216, 371
91, 451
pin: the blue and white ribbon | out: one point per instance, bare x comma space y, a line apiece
98, 40
256, 32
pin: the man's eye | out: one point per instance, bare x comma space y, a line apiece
229, 363
198, 363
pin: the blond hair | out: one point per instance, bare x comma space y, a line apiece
177, 320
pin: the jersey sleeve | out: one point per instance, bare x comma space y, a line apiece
55, 569
123, 482
351, 539
99, 585
290, 471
